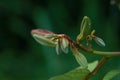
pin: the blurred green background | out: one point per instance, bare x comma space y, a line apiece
22, 58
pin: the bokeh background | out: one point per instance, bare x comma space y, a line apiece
22, 58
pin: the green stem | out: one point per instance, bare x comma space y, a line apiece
109, 54
102, 53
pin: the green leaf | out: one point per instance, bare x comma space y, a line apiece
64, 45
85, 28
111, 74
76, 74
45, 37
92, 66
81, 59
43, 40
85, 25
58, 48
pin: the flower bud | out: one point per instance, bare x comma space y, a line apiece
99, 41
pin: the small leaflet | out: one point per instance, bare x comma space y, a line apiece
58, 48
44, 41
85, 28
80, 58
64, 45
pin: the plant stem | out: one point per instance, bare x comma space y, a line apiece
89, 50
102, 61
109, 54
102, 53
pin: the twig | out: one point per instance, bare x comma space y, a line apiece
102, 61
102, 53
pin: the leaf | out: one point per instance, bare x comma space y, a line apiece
44, 41
49, 36
58, 48
64, 45
81, 59
76, 74
85, 28
92, 66
44, 37
85, 25
99, 41
41, 32
111, 74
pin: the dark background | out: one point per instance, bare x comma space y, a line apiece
22, 58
